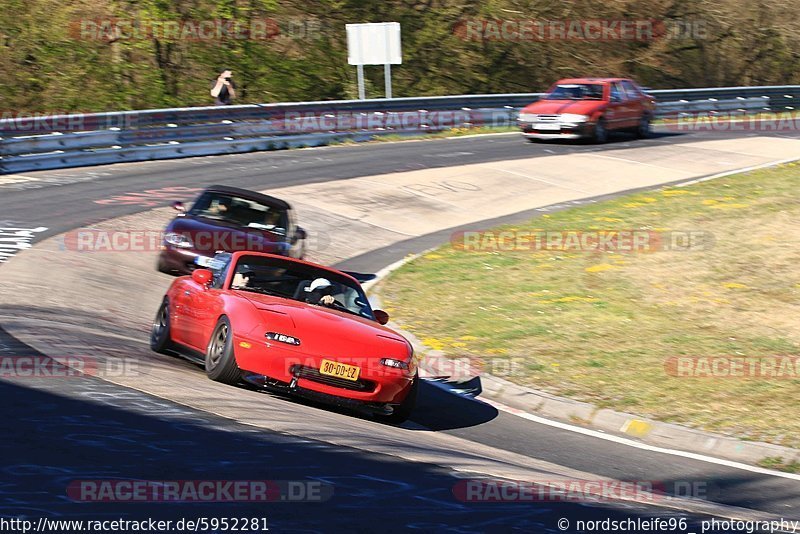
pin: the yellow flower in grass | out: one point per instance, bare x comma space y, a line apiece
730, 206
607, 219
734, 285
649, 200
458, 344
632, 204
433, 343
432, 256
710, 202
600, 268
575, 298
468, 338
674, 192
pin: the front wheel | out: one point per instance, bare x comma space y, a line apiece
220, 360
403, 410
160, 340
644, 130
600, 132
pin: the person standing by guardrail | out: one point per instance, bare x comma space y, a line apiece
223, 89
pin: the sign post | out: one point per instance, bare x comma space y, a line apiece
374, 44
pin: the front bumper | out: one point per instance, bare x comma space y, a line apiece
564, 131
178, 260
376, 384
184, 260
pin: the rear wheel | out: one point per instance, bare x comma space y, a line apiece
220, 360
403, 410
159, 335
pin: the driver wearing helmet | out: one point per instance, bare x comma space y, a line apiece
320, 292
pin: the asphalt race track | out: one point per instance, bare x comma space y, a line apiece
66, 429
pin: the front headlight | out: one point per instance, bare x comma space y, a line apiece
574, 117
178, 240
283, 338
527, 117
392, 362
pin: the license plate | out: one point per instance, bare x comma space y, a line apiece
547, 126
339, 370
204, 261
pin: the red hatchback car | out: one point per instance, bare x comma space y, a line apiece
292, 326
588, 108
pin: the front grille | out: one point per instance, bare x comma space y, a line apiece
547, 118
313, 374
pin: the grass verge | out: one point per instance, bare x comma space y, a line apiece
603, 326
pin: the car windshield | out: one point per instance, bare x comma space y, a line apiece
576, 91
240, 212
296, 281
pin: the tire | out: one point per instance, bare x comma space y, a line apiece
643, 130
160, 334
220, 360
403, 411
600, 134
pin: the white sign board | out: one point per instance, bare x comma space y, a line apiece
374, 44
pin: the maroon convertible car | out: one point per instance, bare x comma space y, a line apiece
229, 219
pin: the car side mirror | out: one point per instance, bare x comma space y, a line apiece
381, 316
178, 206
300, 233
202, 276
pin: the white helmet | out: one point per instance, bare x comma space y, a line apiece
319, 283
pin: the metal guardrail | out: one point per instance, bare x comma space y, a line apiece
58, 141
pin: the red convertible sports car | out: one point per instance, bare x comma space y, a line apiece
292, 326
588, 108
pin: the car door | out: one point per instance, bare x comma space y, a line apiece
619, 113
206, 308
636, 101
179, 320
192, 304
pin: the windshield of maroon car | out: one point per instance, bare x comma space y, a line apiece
576, 91
239, 211
296, 281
